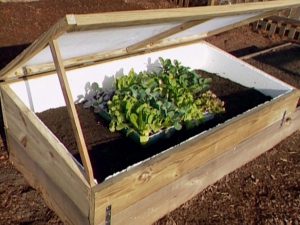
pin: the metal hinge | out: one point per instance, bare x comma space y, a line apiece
283, 119
108, 215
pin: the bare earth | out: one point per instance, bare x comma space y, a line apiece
265, 191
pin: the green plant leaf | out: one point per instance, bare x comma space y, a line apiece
177, 126
147, 103
144, 139
134, 120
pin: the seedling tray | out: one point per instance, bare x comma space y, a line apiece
163, 134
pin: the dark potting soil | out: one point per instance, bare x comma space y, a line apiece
113, 152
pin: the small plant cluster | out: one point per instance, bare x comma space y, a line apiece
96, 97
148, 102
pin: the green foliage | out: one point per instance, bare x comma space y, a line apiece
147, 103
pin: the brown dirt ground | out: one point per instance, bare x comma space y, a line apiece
265, 191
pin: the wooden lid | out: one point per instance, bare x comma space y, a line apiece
88, 38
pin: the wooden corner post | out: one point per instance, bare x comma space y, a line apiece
81, 145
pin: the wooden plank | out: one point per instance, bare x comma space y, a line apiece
211, 2
264, 24
256, 25
225, 28
194, 38
187, 3
57, 29
79, 22
128, 188
285, 20
282, 30
265, 51
291, 34
53, 195
45, 150
180, 3
70, 63
294, 13
167, 33
272, 29
81, 145
115, 19
159, 203
104, 56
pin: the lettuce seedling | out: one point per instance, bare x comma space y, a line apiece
148, 103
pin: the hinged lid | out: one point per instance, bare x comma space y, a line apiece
88, 38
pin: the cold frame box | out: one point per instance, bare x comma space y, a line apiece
146, 191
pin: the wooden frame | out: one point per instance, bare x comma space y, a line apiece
157, 204
33, 148
283, 26
137, 194
151, 44
163, 170
81, 145
73, 23
44, 161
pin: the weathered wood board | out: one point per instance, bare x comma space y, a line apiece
44, 161
159, 203
146, 191
131, 187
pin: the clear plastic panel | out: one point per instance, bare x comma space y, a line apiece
83, 43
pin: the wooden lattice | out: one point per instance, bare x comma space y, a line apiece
286, 24
181, 3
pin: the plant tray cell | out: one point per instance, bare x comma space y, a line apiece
163, 134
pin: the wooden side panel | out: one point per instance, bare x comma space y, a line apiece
77, 130
32, 145
156, 205
54, 196
128, 188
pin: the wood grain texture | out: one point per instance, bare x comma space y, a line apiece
45, 150
74, 119
53, 195
165, 34
159, 203
77, 62
128, 188
211, 2
180, 41
81, 61
252, 55
113, 19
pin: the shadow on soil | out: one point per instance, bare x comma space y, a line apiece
291, 55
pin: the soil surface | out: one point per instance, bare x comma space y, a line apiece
265, 191
113, 152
